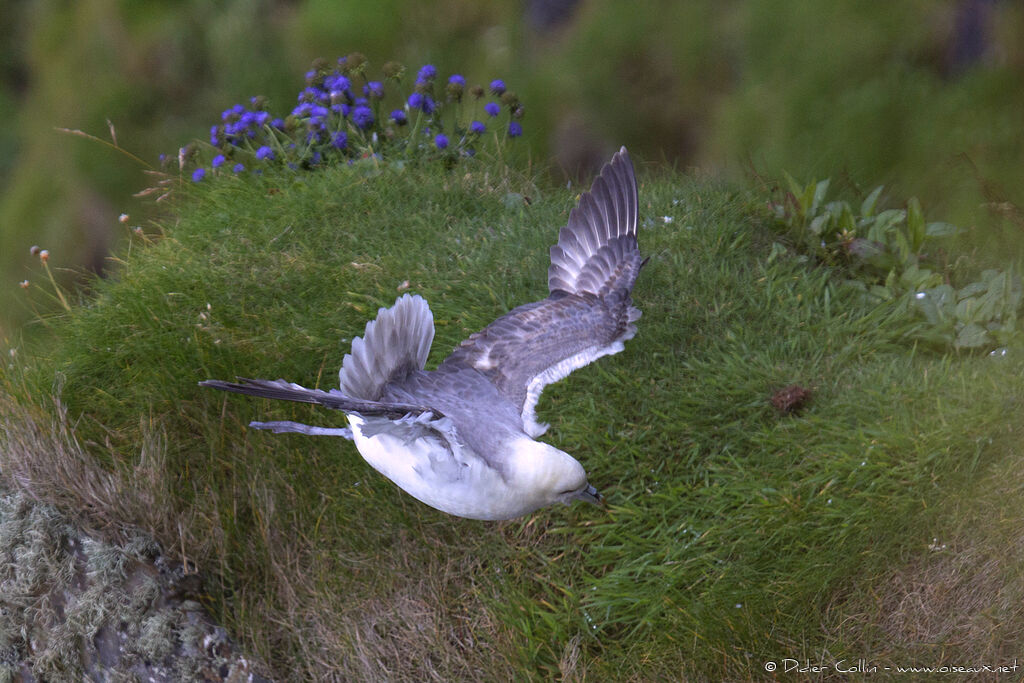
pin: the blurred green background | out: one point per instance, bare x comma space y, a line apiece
926, 96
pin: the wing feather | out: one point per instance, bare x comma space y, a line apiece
589, 312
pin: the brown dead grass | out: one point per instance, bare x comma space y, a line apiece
958, 600
428, 623
423, 618
40, 456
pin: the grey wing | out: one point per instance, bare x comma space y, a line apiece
589, 313
596, 248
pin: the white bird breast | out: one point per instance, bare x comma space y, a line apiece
458, 482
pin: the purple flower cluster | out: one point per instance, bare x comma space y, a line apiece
240, 123
340, 116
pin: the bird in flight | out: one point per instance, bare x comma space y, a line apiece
462, 438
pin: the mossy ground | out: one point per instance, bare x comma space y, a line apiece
734, 534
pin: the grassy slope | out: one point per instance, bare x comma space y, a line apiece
730, 530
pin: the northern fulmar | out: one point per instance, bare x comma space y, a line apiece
462, 438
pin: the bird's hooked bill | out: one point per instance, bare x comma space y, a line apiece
592, 495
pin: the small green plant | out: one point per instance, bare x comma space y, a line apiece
889, 255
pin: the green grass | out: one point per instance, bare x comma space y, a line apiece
733, 535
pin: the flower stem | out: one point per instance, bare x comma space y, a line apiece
56, 287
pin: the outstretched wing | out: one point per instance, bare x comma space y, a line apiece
597, 248
588, 313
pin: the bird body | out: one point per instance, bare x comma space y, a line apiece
461, 438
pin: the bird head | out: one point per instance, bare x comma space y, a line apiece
552, 475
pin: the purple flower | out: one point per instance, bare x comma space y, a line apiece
477, 127
198, 174
424, 103
374, 89
427, 72
362, 116
457, 79
339, 140
215, 136
237, 168
441, 140
492, 108
497, 86
218, 161
399, 117
232, 113
515, 129
265, 152
336, 83
312, 95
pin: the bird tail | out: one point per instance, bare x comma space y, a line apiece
394, 345
283, 390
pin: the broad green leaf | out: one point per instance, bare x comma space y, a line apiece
940, 229
915, 224
807, 201
883, 223
971, 337
967, 310
819, 194
918, 279
794, 187
1014, 291
973, 289
902, 247
865, 249
867, 207
818, 224
929, 307
938, 303
845, 220
990, 274
988, 306
880, 293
